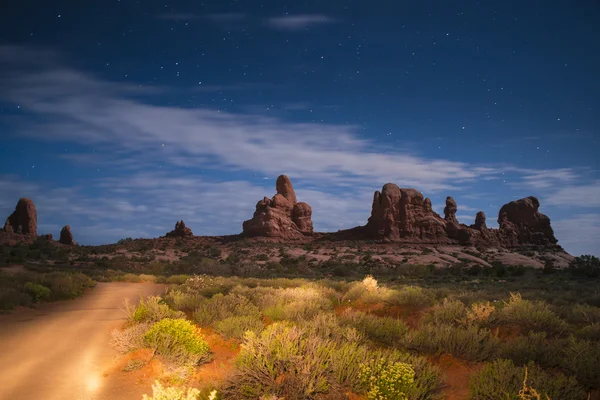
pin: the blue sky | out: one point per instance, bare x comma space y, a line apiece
121, 117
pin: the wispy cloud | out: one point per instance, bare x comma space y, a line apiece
579, 234
586, 195
74, 106
298, 22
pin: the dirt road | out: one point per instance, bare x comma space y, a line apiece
61, 351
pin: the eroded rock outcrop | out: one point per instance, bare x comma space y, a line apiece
66, 236
480, 221
282, 216
23, 220
180, 230
522, 220
450, 210
403, 213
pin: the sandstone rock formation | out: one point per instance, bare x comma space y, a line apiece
404, 213
23, 220
66, 237
480, 221
180, 230
522, 219
281, 216
450, 210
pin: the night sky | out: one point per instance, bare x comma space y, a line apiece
120, 117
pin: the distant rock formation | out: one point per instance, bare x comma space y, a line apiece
450, 210
180, 230
282, 216
23, 220
66, 237
479, 221
404, 213
522, 219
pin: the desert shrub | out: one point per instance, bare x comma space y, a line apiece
65, 285
328, 326
502, 380
533, 347
281, 349
580, 314
151, 309
387, 381
37, 292
177, 279
530, 316
581, 358
365, 290
481, 314
469, 343
589, 332
160, 392
385, 330
183, 301
220, 307
177, 341
450, 312
237, 326
296, 363
297, 303
11, 298
348, 358
129, 339
586, 265
410, 296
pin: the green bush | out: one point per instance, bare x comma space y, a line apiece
183, 301
385, 330
296, 362
502, 380
151, 309
533, 347
581, 358
65, 285
236, 327
37, 292
410, 296
387, 381
281, 349
177, 279
530, 316
586, 265
178, 341
470, 343
450, 312
171, 393
220, 307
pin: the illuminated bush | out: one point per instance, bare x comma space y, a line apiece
178, 341
236, 327
220, 307
151, 309
160, 392
387, 381
37, 292
530, 316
